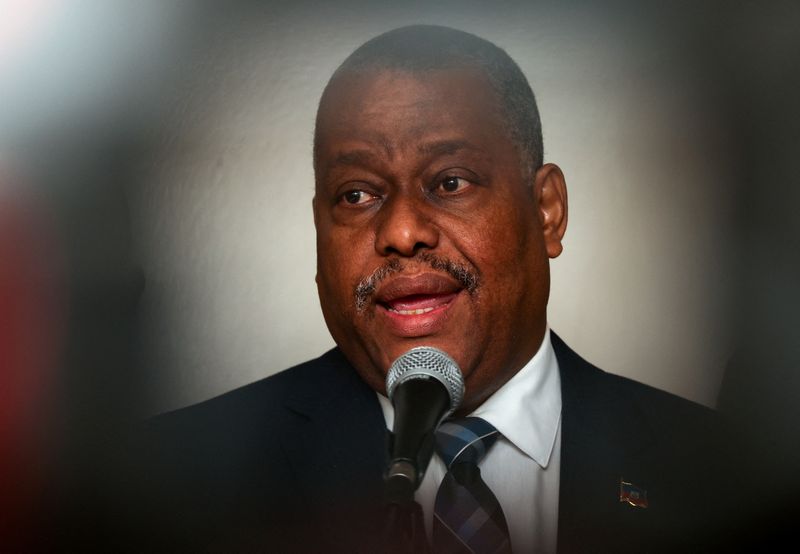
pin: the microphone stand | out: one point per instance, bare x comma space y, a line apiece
404, 524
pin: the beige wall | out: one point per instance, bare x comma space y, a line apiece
222, 220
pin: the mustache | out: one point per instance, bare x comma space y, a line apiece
466, 276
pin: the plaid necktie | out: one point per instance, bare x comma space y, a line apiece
467, 515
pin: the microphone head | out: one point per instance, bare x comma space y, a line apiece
427, 362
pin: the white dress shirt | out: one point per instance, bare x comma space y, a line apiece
523, 467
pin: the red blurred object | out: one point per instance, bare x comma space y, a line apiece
31, 325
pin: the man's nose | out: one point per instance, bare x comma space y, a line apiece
405, 226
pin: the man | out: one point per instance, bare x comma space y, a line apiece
435, 218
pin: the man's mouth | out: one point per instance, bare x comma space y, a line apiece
417, 305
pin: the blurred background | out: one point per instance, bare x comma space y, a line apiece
157, 242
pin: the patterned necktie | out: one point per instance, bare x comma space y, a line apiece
467, 515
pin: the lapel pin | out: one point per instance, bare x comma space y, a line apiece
633, 495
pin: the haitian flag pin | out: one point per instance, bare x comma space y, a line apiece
633, 495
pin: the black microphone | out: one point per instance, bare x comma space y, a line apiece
425, 386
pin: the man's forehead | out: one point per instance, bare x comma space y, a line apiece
367, 91
377, 106
354, 154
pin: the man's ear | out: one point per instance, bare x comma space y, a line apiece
551, 193
316, 219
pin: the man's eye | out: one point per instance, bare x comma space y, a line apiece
453, 184
355, 197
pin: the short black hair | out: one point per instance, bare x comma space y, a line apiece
419, 48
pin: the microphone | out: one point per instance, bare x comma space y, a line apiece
425, 386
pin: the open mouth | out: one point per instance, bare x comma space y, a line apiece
418, 304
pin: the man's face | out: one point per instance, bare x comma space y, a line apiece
429, 231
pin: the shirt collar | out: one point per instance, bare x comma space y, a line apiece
526, 410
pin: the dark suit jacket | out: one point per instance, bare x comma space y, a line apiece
294, 463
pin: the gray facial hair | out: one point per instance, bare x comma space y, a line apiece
467, 278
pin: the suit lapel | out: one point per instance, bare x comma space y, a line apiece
338, 452
603, 439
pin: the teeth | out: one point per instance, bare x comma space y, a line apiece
411, 312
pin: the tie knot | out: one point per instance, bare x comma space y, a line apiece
464, 440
